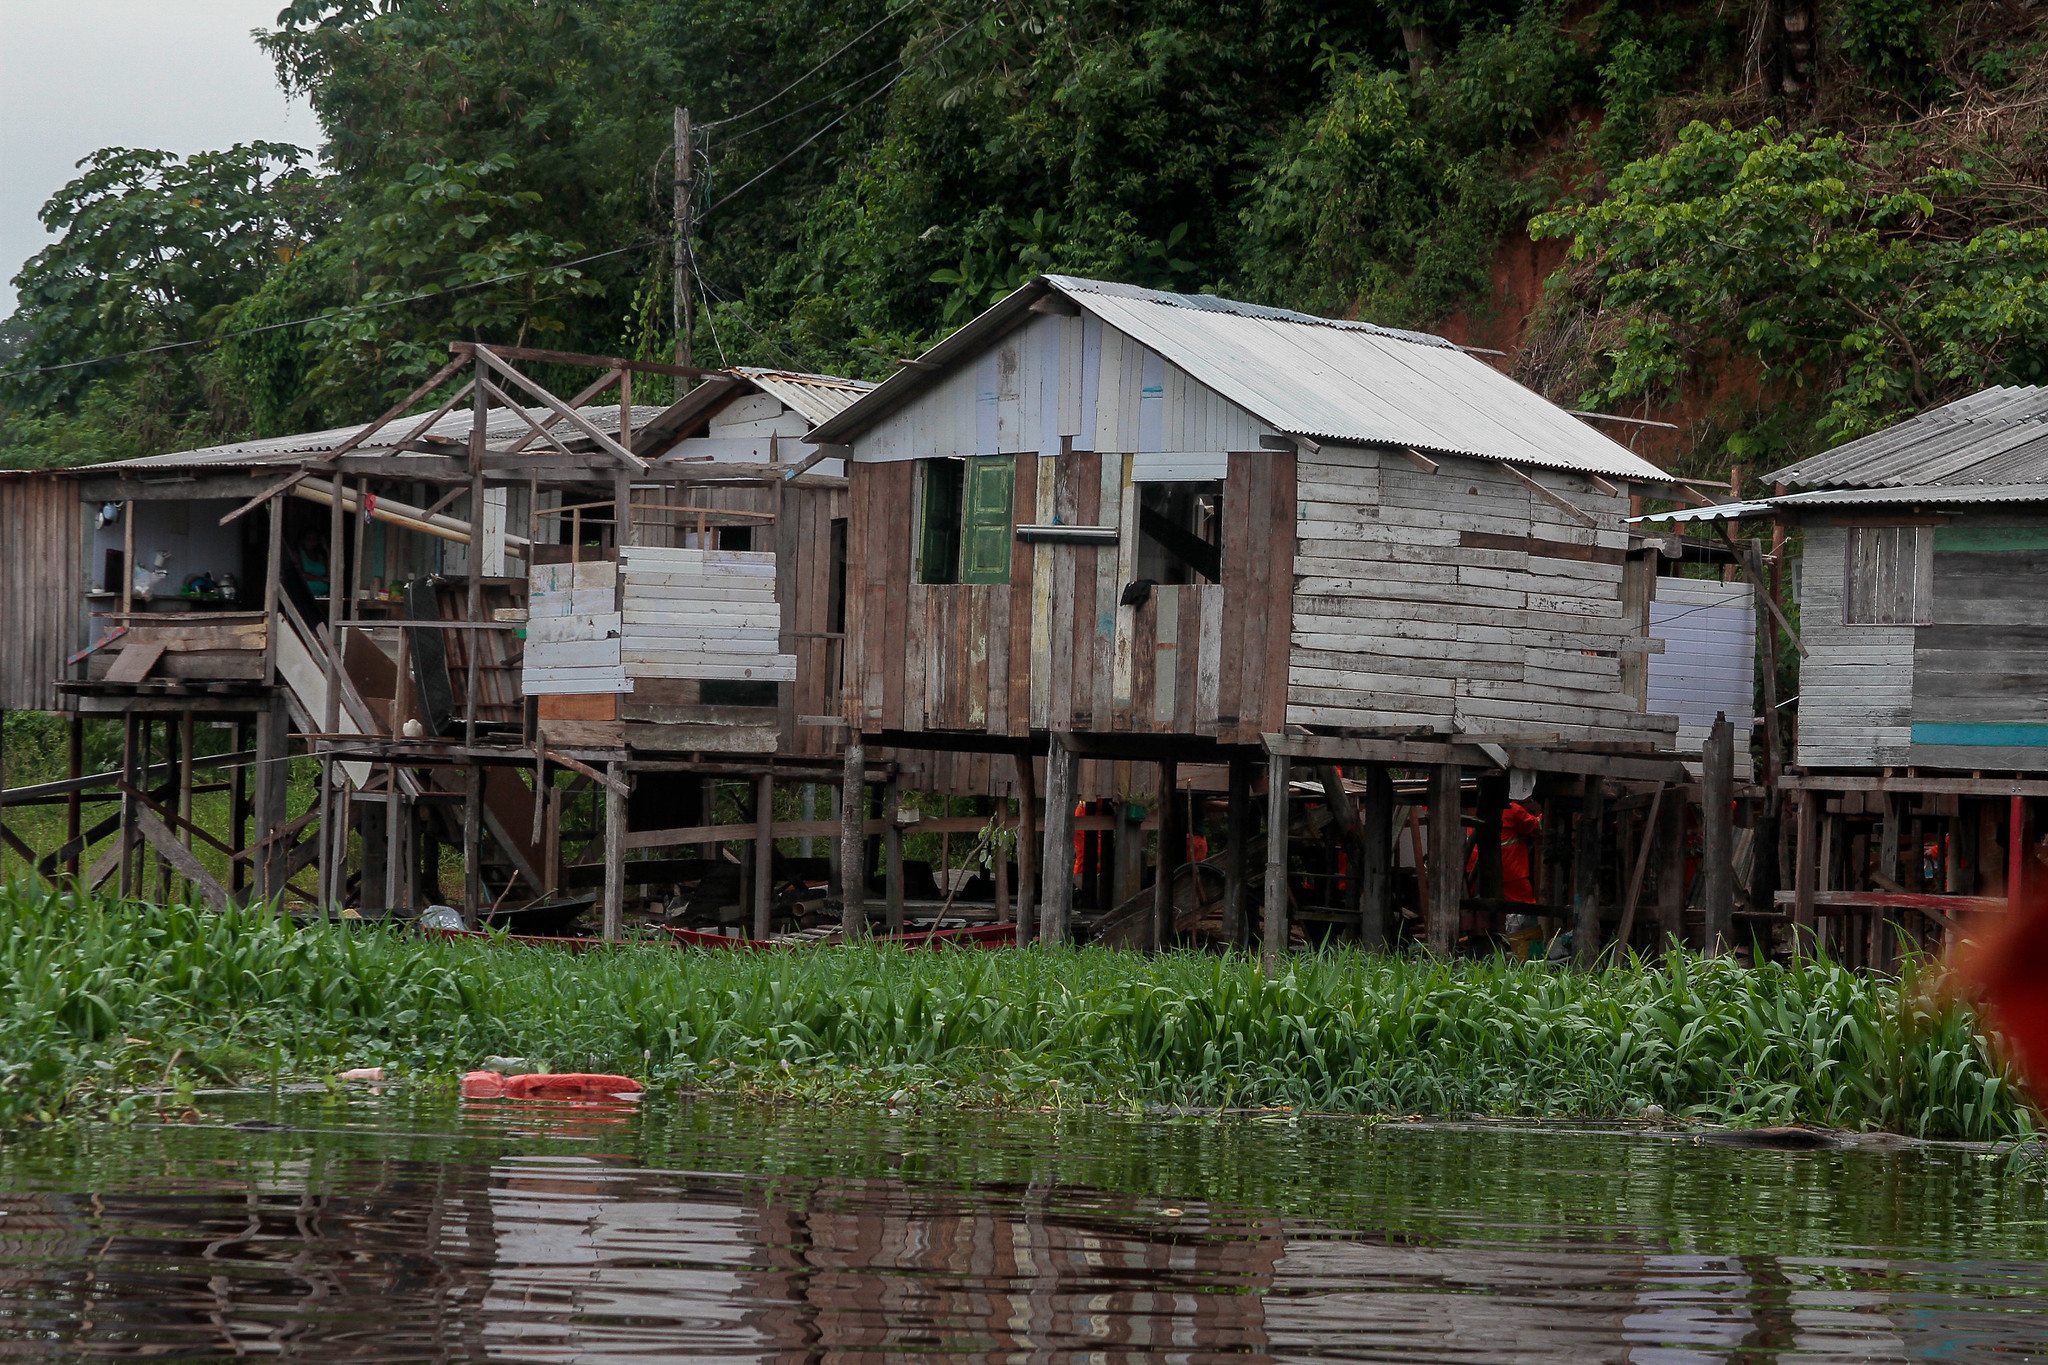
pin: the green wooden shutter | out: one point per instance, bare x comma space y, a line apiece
986, 532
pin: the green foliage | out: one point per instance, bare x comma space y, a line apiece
1799, 256
1887, 38
97, 995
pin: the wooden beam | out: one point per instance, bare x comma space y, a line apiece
594, 362
1947, 786
562, 410
180, 857
1896, 900
1273, 923
1563, 503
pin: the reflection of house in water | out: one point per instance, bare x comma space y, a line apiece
573, 1260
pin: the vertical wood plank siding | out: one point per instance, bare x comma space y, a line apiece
968, 657
41, 588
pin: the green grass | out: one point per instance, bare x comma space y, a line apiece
100, 997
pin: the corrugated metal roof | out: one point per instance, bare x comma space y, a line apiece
1998, 436
819, 397
1726, 511
1951, 494
504, 424
1326, 379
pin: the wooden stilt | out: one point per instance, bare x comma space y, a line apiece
394, 845
1671, 872
273, 768
1586, 874
1273, 925
1057, 895
614, 848
853, 913
174, 732
184, 807
74, 807
1027, 848
1717, 838
764, 855
1376, 856
892, 854
1446, 855
1172, 853
130, 740
1236, 854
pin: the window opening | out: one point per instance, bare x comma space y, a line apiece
1180, 532
966, 520
938, 559
835, 615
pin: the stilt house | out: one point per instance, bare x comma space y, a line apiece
1178, 528
1922, 745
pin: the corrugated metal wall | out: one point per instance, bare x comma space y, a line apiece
42, 619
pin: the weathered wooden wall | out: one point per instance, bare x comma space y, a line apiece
1054, 649
1063, 383
1980, 671
42, 585
1856, 683
1460, 600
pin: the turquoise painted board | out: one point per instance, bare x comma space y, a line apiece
1999, 736
1988, 538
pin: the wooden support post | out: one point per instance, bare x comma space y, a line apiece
74, 808
853, 878
371, 821
1000, 867
1805, 871
1671, 871
238, 817
1173, 848
1376, 857
184, 806
892, 854
1586, 874
614, 848
172, 734
132, 781
1446, 855
2015, 854
1273, 923
1027, 848
394, 847
1128, 853
764, 855
1057, 895
273, 768
1717, 837
1236, 854
1344, 812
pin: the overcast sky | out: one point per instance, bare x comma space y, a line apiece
78, 75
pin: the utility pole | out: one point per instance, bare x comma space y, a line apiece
682, 309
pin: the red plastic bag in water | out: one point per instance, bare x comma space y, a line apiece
569, 1084
482, 1085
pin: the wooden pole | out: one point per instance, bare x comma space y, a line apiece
764, 855
163, 864
1446, 855
473, 648
1027, 848
614, 850
892, 853
853, 913
185, 737
273, 768
1057, 896
1236, 859
1671, 872
74, 807
1376, 856
1173, 846
1001, 866
1273, 925
129, 721
1586, 874
1635, 881
1717, 838
682, 304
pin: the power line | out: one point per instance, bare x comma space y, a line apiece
805, 108
336, 313
734, 118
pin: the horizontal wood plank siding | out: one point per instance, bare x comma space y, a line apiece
1856, 685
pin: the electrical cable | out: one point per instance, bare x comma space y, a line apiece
734, 118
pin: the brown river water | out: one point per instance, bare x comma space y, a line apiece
412, 1227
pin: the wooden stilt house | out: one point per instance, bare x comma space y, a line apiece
1922, 745
1107, 521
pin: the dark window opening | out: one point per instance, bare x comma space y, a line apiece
1181, 532
735, 537
938, 558
727, 692
835, 617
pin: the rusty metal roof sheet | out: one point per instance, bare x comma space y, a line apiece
1327, 379
504, 424
1998, 436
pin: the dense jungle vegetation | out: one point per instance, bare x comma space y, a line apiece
1787, 221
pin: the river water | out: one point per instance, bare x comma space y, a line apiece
410, 1227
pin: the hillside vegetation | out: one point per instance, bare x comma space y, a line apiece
1785, 221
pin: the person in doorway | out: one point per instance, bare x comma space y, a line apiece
311, 558
1520, 828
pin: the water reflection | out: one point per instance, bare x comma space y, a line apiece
402, 1231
